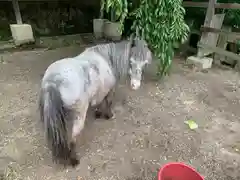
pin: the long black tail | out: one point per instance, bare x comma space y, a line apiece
54, 116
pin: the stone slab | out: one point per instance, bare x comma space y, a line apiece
202, 63
22, 33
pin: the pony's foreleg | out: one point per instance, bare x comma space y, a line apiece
78, 125
104, 110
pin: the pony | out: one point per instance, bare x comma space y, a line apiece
71, 85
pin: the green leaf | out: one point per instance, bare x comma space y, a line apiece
191, 124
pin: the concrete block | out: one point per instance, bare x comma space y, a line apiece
22, 33
202, 63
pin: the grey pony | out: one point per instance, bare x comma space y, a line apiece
70, 85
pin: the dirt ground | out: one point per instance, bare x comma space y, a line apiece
148, 130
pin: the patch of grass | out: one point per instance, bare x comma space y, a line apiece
10, 174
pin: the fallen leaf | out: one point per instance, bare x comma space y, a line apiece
191, 124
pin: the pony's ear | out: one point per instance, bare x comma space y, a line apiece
139, 42
132, 50
132, 41
133, 44
149, 57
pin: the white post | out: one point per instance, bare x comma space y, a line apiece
17, 11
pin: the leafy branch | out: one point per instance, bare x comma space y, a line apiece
161, 23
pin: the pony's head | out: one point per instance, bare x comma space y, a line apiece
140, 55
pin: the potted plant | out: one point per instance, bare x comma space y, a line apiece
98, 24
118, 10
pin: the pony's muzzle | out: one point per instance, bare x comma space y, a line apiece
135, 84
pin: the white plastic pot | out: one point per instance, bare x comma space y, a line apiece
98, 27
111, 30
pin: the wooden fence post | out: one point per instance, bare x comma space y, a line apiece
17, 11
207, 23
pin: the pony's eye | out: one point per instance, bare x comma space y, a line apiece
132, 63
130, 71
138, 71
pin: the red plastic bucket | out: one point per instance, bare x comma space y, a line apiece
178, 171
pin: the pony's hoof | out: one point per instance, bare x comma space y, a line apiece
98, 114
74, 162
108, 116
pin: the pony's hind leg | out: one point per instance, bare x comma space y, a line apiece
78, 125
98, 112
104, 110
